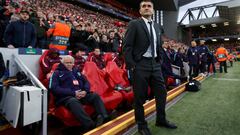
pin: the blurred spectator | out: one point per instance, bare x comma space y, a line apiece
41, 25
78, 54
119, 59
97, 58
93, 40
104, 44
20, 33
211, 62
77, 37
114, 40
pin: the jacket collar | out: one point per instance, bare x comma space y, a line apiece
142, 21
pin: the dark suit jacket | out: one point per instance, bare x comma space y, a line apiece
137, 41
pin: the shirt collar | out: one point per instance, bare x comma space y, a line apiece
146, 20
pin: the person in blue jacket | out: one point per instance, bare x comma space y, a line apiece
203, 55
20, 33
72, 89
193, 59
178, 59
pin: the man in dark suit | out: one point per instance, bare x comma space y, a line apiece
143, 52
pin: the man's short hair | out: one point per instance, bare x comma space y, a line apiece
76, 50
111, 31
145, 1
67, 57
24, 11
61, 18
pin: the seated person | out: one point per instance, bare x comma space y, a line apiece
72, 89
79, 59
167, 65
51, 58
97, 58
118, 58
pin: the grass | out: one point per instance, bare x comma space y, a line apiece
214, 110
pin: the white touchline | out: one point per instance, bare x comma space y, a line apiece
226, 79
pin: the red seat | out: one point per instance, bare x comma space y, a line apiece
90, 55
119, 76
44, 76
41, 75
96, 78
108, 56
171, 81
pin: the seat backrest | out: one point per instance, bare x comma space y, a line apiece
96, 78
41, 76
108, 56
54, 67
116, 75
90, 55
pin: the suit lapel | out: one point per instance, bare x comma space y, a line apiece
157, 32
145, 28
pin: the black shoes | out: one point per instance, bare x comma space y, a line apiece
144, 131
99, 120
166, 124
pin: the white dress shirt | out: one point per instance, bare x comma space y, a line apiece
149, 50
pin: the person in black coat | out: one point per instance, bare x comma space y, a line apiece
211, 61
20, 33
178, 59
2, 66
193, 59
143, 55
203, 55
104, 44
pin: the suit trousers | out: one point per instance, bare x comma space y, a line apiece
148, 74
194, 70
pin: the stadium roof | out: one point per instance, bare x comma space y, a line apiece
184, 2
197, 4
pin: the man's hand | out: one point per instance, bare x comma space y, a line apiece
80, 94
83, 94
10, 46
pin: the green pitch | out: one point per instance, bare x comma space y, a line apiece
215, 110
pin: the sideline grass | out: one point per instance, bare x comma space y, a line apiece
215, 110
